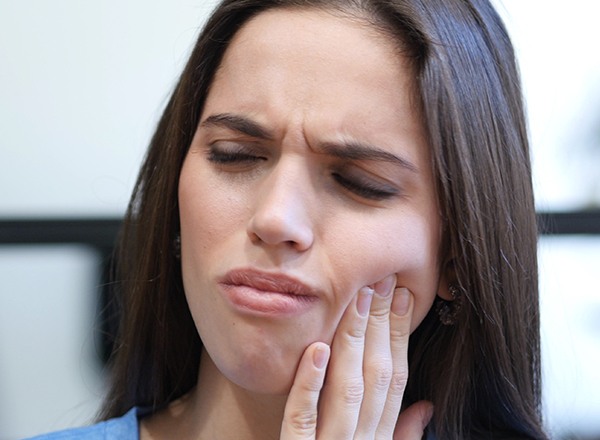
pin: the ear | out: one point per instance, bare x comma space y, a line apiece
447, 278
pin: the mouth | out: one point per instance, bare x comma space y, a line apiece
257, 292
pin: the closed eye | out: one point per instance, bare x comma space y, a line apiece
231, 155
365, 188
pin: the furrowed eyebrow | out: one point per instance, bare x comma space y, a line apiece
349, 150
239, 124
352, 150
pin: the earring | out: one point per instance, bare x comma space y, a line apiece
448, 310
177, 246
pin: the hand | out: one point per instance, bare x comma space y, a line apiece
366, 375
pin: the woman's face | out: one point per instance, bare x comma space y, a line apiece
308, 178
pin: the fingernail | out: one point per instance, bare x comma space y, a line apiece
401, 301
320, 356
384, 287
363, 302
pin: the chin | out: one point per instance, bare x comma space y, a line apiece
263, 375
263, 367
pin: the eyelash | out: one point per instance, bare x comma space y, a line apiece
360, 187
365, 189
232, 157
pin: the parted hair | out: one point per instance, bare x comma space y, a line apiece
482, 373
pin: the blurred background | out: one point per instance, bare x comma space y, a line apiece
82, 85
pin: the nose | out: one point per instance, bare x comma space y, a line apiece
282, 211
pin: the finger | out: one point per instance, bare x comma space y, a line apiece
400, 318
300, 414
377, 363
413, 421
343, 392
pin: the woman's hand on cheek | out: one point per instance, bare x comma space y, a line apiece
367, 370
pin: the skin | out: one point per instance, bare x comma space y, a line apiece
306, 83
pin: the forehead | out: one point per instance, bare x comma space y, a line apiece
328, 35
322, 72
324, 24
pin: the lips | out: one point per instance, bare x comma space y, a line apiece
254, 291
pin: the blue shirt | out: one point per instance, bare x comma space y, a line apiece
121, 428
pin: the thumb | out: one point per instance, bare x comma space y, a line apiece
413, 420
300, 415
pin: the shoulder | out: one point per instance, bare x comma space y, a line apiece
121, 428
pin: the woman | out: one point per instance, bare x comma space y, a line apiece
329, 177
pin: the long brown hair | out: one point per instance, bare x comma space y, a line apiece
483, 373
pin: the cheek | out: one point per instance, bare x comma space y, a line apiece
376, 248
208, 211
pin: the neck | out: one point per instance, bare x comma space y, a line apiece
218, 408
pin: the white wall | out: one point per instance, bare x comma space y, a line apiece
82, 84
557, 47
50, 377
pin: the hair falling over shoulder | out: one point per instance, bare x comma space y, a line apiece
482, 373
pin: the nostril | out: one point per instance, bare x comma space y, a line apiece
254, 239
291, 231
